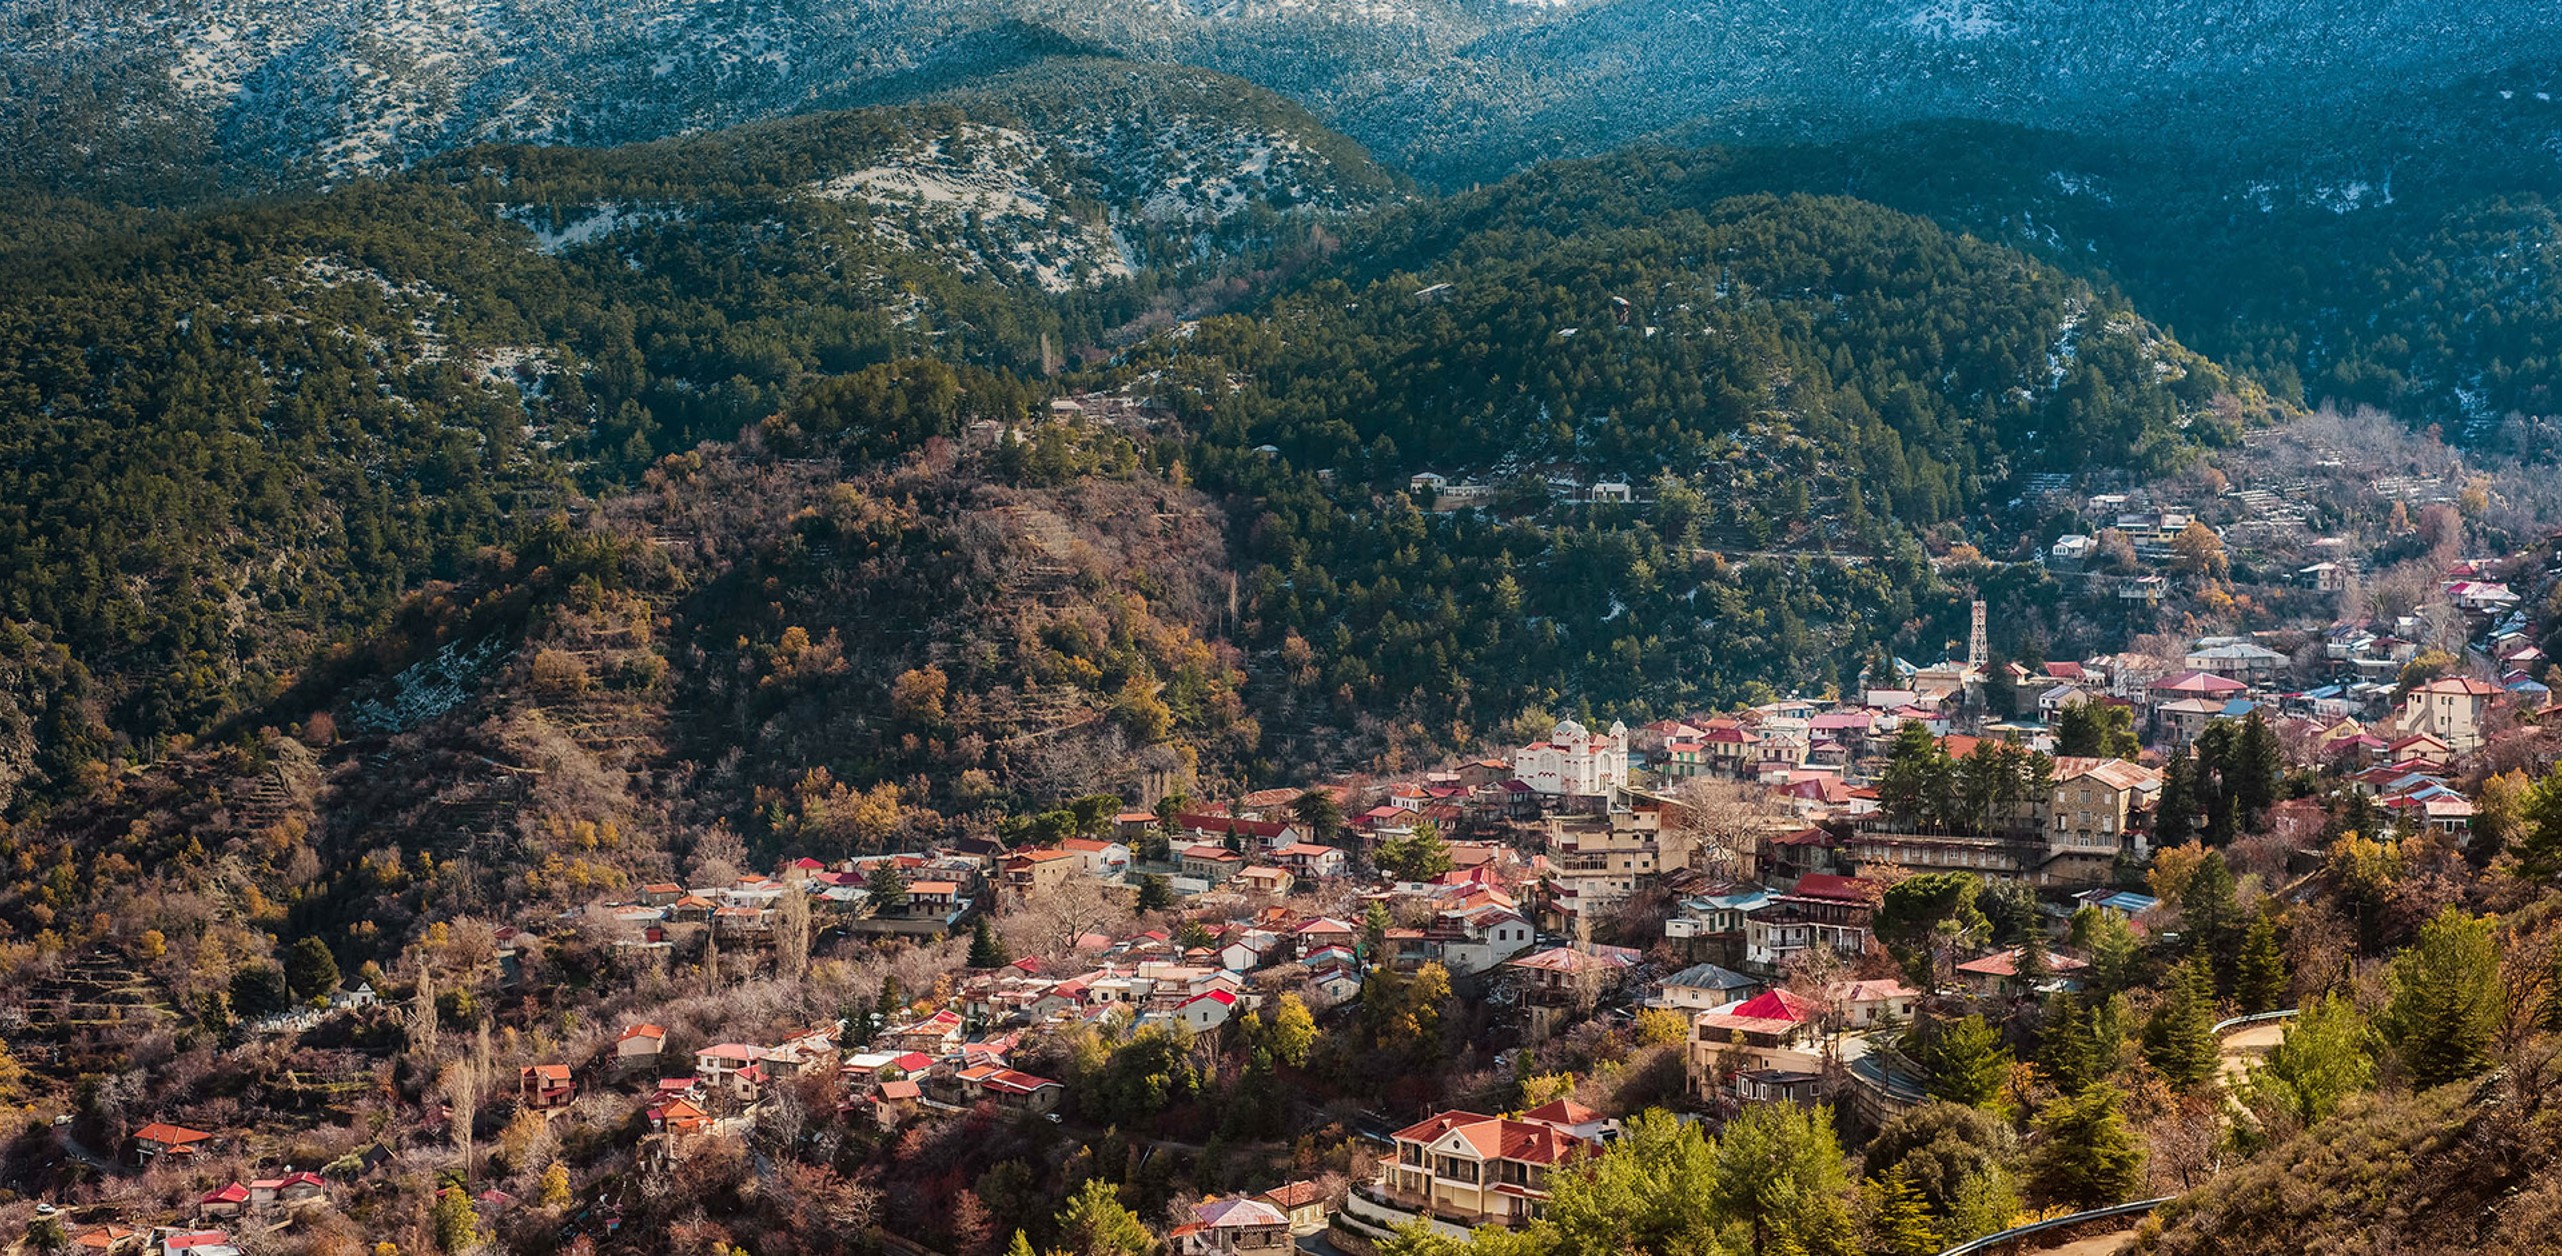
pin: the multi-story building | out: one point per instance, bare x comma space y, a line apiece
2094, 809
2450, 709
1822, 911
1472, 1170
1595, 863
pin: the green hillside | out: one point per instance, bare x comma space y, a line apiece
231, 438
1782, 381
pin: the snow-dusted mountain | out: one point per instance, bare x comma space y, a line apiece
1448, 88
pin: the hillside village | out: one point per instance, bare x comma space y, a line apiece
1711, 912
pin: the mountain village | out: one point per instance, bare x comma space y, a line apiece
1711, 883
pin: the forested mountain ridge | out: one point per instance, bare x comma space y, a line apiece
234, 437
1456, 90
328, 401
1781, 379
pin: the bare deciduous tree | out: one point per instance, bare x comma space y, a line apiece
792, 934
1049, 923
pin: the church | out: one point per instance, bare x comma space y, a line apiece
1575, 762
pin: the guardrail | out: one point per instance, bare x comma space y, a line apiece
2255, 1019
2014, 1234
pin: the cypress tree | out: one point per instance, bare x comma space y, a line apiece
2210, 921
2258, 767
2064, 1052
2173, 818
985, 950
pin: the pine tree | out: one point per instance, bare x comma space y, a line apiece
1156, 893
2085, 1156
887, 886
2445, 1004
2179, 1040
1375, 924
2034, 965
310, 969
985, 950
1779, 1172
1968, 1063
2259, 976
1918, 785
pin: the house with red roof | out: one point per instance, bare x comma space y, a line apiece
289, 1190
224, 1202
732, 1067
1305, 1203
1211, 862
163, 1139
638, 1048
1009, 1089
677, 1114
108, 1240
545, 1086
1470, 1170
1207, 1010
1216, 828
2451, 709
1774, 1031
1997, 975
939, 1034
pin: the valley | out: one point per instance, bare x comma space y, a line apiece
1422, 628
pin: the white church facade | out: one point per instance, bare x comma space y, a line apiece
1574, 761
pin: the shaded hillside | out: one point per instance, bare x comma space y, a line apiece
2465, 1168
230, 440
785, 646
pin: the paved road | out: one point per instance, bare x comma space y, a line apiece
1316, 1244
2096, 1245
73, 1148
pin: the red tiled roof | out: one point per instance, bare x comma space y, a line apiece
1838, 888
1561, 1112
1773, 1005
1294, 1195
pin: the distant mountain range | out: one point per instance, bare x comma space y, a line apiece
1451, 90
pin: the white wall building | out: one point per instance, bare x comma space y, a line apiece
1575, 761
